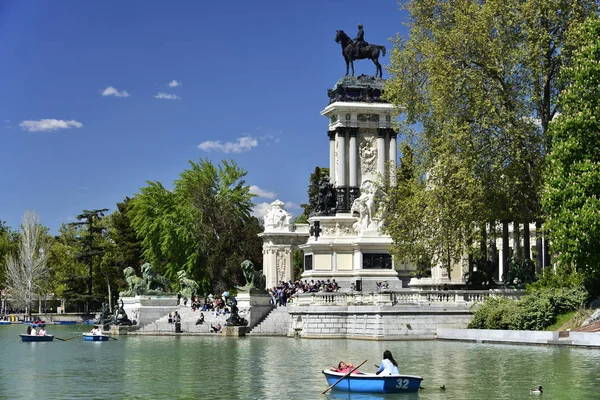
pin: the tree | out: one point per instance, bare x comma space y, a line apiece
90, 252
26, 269
127, 246
313, 190
572, 192
202, 226
477, 77
69, 275
8, 241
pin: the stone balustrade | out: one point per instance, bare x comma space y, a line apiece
403, 297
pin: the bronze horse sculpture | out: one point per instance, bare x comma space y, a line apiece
370, 51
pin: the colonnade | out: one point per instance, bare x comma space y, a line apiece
344, 170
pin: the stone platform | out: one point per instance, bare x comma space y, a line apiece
234, 331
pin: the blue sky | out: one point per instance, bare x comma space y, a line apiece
96, 98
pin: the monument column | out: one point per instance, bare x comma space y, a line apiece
340, 184
332, 169
393, 157
353, 190
381, 150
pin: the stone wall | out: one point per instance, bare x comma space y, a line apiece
147, 309
375, 322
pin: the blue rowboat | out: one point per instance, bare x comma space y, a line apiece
35, 324
372, 383
67, 322
35, 338
4, 322
95, 338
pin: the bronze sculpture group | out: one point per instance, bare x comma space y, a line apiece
358, 49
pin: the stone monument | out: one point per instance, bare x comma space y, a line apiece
347, 245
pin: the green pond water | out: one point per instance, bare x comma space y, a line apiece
216, 367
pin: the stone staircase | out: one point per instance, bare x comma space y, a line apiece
276, 323
188, 322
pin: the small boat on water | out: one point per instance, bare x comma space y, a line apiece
35, 324
36, 338
67, 322
5, 322
372, 383
95, 338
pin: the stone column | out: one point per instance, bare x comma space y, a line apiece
353, 190
381, 150
393, 157
270, 264
341, 185
332, 169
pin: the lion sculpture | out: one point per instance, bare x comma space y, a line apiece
186, 286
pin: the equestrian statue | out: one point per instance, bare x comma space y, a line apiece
358, 49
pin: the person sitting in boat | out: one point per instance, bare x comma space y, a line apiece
388, 366
96, 331
29, 329
343, 367
42, 331
33, 332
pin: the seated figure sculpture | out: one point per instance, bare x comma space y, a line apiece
120, 317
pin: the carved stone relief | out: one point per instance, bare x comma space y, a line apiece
368, 117
280, 265
368, 155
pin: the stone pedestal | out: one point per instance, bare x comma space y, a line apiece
253, 305
234, 331
146, 309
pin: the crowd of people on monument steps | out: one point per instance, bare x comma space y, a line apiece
284, 292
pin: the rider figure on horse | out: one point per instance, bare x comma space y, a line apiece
359, 41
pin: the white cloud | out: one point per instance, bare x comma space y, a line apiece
241, 145
49, 125
174, 83
111, 91
260, 210
167, 96
290, 205
262, 193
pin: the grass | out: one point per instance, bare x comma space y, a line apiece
570, 320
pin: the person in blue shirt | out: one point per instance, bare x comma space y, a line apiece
388, 365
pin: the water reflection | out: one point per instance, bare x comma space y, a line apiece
216, 367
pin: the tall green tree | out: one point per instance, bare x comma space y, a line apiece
69, 277
313, 191
91, 251
477, 77
572, 193
202, 226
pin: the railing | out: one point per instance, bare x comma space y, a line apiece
403, 297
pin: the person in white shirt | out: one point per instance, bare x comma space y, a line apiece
33, 332
388, 366
42, 331
96, 331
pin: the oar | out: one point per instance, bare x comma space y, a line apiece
342, 378
64, 339
113, 338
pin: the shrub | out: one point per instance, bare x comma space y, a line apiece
535, 311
